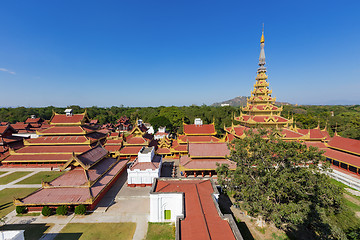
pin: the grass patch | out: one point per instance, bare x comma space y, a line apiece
29, 214
353, 206
7, 196
97, 231
1, 173
45, 176
12, 177
32, 231
160, 231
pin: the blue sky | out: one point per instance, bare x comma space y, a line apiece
151, 53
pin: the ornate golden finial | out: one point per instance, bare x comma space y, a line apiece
262, 35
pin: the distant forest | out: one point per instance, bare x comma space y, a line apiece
343, 119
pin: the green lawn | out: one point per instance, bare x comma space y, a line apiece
160, 231
32, 231
1, 173
12, 177
7, 196
97, 231
45, 176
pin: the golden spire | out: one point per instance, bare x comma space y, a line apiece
262, 40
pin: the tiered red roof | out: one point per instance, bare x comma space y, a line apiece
202, 219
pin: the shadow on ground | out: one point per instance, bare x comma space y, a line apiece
225, 205
166, 169
32, 231
109, 197
68, 236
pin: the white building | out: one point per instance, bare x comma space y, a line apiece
161, 133
166, 207
145, 168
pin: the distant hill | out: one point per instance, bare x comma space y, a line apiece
241, 101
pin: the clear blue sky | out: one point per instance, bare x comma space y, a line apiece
172, 52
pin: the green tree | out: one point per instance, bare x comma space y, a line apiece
160, 121
283, 182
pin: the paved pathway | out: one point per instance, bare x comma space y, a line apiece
12, 184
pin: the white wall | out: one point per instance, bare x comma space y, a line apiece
12, 235
147, 176
159, 202
146, 157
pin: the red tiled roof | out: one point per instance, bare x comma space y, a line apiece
32, 120
136, 140
62, 130
62, 118
186, 138
163, 151
54, 149
315, 133
130, 150
205, 129
204, 163
319, 145
114, 141
208, 150
20, 125
290, 134
345, 144
106, 178
38, 158
112, 148
180, 148
71, 188
343, 157
49, 196
6, 128
202, 220
153, 165
93, 155
57, 139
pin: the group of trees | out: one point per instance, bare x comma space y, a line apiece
284, 183
343, 119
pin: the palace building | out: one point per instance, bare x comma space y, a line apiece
92, 174
67, 134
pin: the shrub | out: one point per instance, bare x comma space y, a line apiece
21, 209
62, 210
46, 211
81, 209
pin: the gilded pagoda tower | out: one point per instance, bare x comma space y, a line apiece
260, 109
